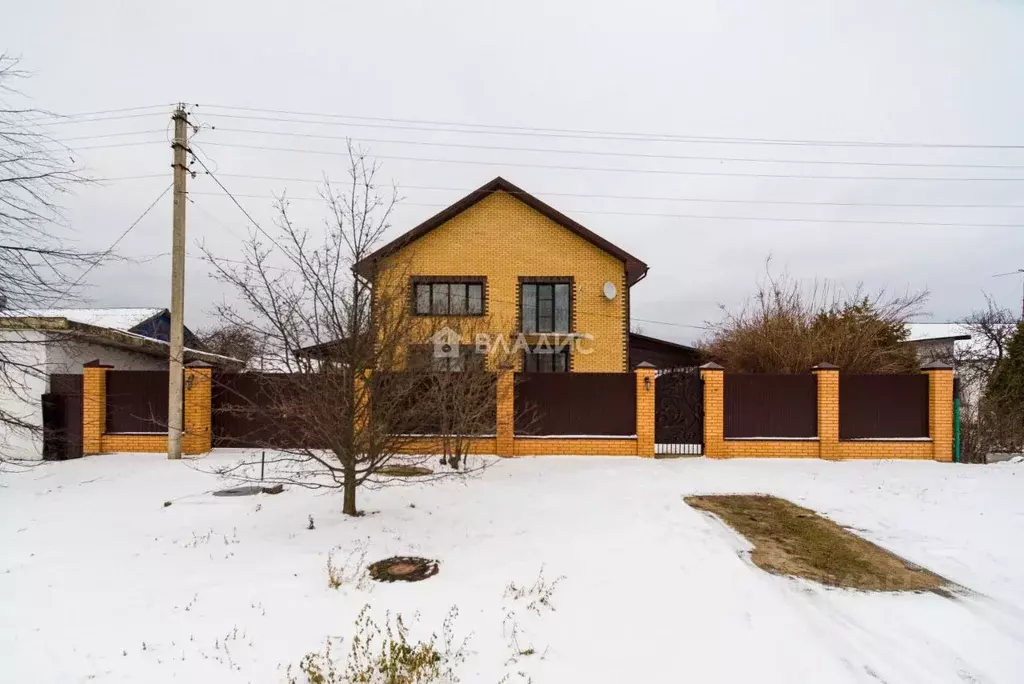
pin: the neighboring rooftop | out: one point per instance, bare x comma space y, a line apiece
116, 318
137, 329
937, 331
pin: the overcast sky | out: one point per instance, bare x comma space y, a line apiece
927, 72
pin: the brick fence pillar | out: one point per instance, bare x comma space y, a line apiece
646, 376
940, 409
828, 410
713, 376
504, 443
94, 406
198, 435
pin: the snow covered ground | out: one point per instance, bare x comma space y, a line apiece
99, 581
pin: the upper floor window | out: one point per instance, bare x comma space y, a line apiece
448, 296
545, 305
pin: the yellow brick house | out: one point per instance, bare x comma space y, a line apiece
506, 264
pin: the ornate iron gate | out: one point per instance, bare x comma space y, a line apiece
679, 412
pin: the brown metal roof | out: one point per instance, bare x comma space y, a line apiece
635, 269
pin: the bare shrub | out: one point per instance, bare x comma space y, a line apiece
788, 327
385, 654
536, 596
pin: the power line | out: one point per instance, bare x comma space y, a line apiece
583, 133
652, 198
105, 135
715, 217
110, 249
96, 119
47, 115
490, 298
604, 153
235, 201
674, 172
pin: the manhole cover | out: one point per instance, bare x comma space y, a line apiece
403, 569
238, 491
405, 471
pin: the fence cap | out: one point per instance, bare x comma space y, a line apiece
936, 365
198, 364
646, 365
711, 365
825, 365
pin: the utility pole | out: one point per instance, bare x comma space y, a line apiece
176, 383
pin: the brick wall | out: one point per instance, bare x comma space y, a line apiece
502, 238
197, 435
938, 446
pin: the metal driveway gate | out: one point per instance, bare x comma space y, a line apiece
679, 412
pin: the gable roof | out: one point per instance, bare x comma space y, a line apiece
635, 269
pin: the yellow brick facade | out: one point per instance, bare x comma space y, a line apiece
502, 238
939, 445
196, 439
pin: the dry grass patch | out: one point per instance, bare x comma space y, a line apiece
790, 540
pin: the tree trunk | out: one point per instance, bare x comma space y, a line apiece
349, 507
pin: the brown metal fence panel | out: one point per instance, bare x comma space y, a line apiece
62, 418
883, 406
249, 411
768, 405
137, 401
599, 404
435, 403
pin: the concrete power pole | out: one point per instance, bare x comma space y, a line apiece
176, 384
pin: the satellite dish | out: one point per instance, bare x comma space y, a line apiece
609, 290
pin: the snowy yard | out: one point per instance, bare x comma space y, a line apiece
99, 581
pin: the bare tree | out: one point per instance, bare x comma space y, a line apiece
788, 327
235, 341
38, 268
339, 337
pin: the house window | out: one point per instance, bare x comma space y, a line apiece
545, 306
457, 297
546, 361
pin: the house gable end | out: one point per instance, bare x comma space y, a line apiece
635, 269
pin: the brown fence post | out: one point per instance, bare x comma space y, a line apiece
646, 376
505, 437
828, 410
713, 376
198, 437
940, 409
94, 406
